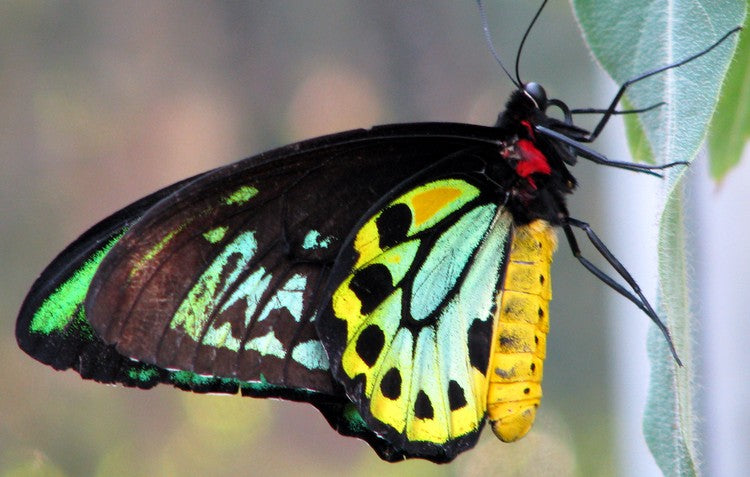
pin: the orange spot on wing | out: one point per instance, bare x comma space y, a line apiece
426, 204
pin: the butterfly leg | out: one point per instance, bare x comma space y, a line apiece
627, 111
598, 158
640, 301
609, 111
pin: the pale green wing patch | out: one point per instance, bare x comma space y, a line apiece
415, 315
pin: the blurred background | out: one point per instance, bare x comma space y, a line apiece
102, 103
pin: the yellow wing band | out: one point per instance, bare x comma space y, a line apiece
520, 340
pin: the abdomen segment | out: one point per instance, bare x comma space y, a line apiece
519, 346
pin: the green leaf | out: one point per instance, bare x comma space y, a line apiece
669, 422
639, 146
730, 129
629, 37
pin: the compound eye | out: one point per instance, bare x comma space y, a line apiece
537, 94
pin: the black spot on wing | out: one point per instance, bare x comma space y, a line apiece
456, 396
370, 344
372, 285
423, 406
480, 333
393, 225
390, 386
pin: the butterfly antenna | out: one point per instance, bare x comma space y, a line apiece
523, 40
488, 38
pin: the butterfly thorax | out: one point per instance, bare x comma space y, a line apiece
541, 179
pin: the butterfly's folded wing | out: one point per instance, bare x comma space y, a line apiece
52, 325
224, 276
214, 284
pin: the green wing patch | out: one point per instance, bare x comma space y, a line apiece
55, 330
409, 328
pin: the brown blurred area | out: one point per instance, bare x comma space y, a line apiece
104, 102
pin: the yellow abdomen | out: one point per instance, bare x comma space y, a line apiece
519, 343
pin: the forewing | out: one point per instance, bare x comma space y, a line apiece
52, 325
410, 321
53, 328
223, 277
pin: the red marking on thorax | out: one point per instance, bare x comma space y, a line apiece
528, 127
527, 158
532, 160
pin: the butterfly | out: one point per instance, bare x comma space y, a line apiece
396, 278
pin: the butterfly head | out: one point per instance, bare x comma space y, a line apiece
536, 93
526, 105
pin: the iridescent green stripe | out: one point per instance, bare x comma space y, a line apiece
200, 303
314, 240
290, 296
215, 235
155, 250
311, 355
66, 302
251, 290
241, 195
447, 259
267, 344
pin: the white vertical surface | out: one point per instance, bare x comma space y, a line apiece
631, 207
722, 272
719, 217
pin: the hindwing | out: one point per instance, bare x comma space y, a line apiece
410, 322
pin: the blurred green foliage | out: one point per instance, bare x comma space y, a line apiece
730, 130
